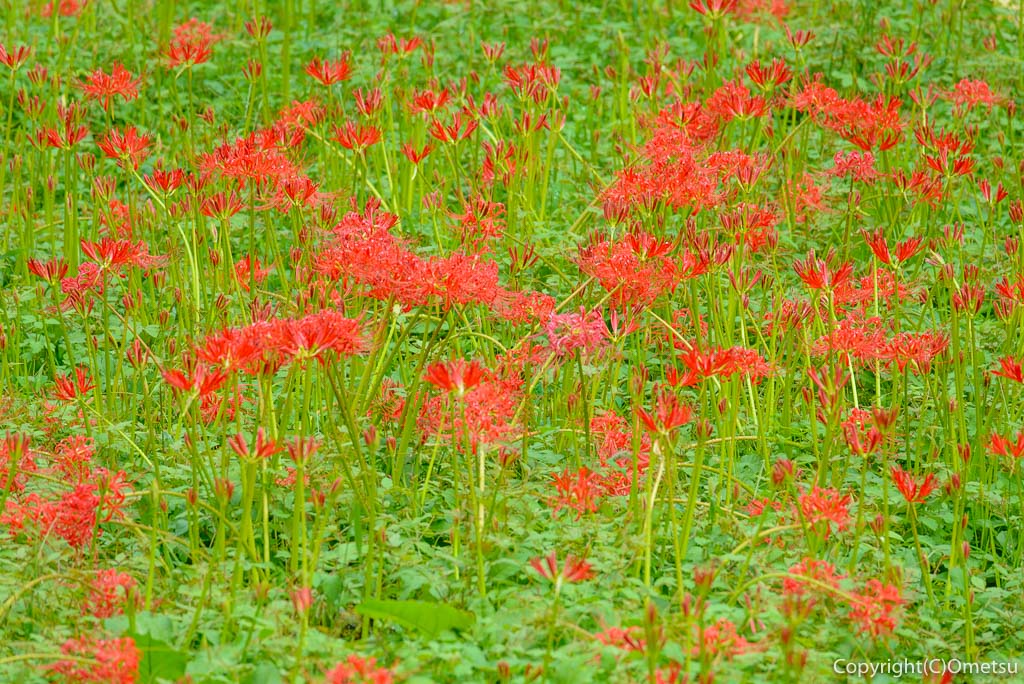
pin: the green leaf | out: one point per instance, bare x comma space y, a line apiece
428, 618
265, 673
159, 659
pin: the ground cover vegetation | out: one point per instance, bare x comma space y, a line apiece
449, 341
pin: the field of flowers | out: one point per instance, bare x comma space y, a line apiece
423, 341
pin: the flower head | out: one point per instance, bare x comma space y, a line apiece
572, 570
909, 487
102, 86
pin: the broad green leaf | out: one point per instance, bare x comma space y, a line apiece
428, 618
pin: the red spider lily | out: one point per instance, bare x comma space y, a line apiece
71, 132
248, 270
192, 44
720, 363
533, 81
114, 254
302, 449
313, 336
127, 146
821, 572
263, 447
73, 517
259, 28
770, 77
874, 611
329, 73
356, 138
862, 435
257, 158
670, 414
572, 570
909, 487
718, 639
428, 102
15, 58
457, 376
578, 490
232, 348
357, 669
73, 458
64, 8
67, 388
584, 330
733, 100
111, 489
636, 269
462, 127
713, 9
1003, 446
413, 156
492, 51
165, 181
919, 349
370, 102
221, 206
104, 87
107, 661
818, 274
302, 599
859, 166
17, 461
985, 187
51, 271
392, 45
1010, 368
628, 639
968, 94
203, 380
109, 592
485, 416
825, 506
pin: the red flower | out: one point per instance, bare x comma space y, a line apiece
1010, 368
356, 138
102, 661
14, 59
109, 591
573, 569
103, 87
822, 572
263, 448
462, 127
874, 611
1003, 446
455, 376
827, 506
203, 381
670, 414
357, 670
818, 274
909, 487
113, 254
191, 44
126, 146
329, 73
68, 389
51, 271
313, 336
415, 156
578, 491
